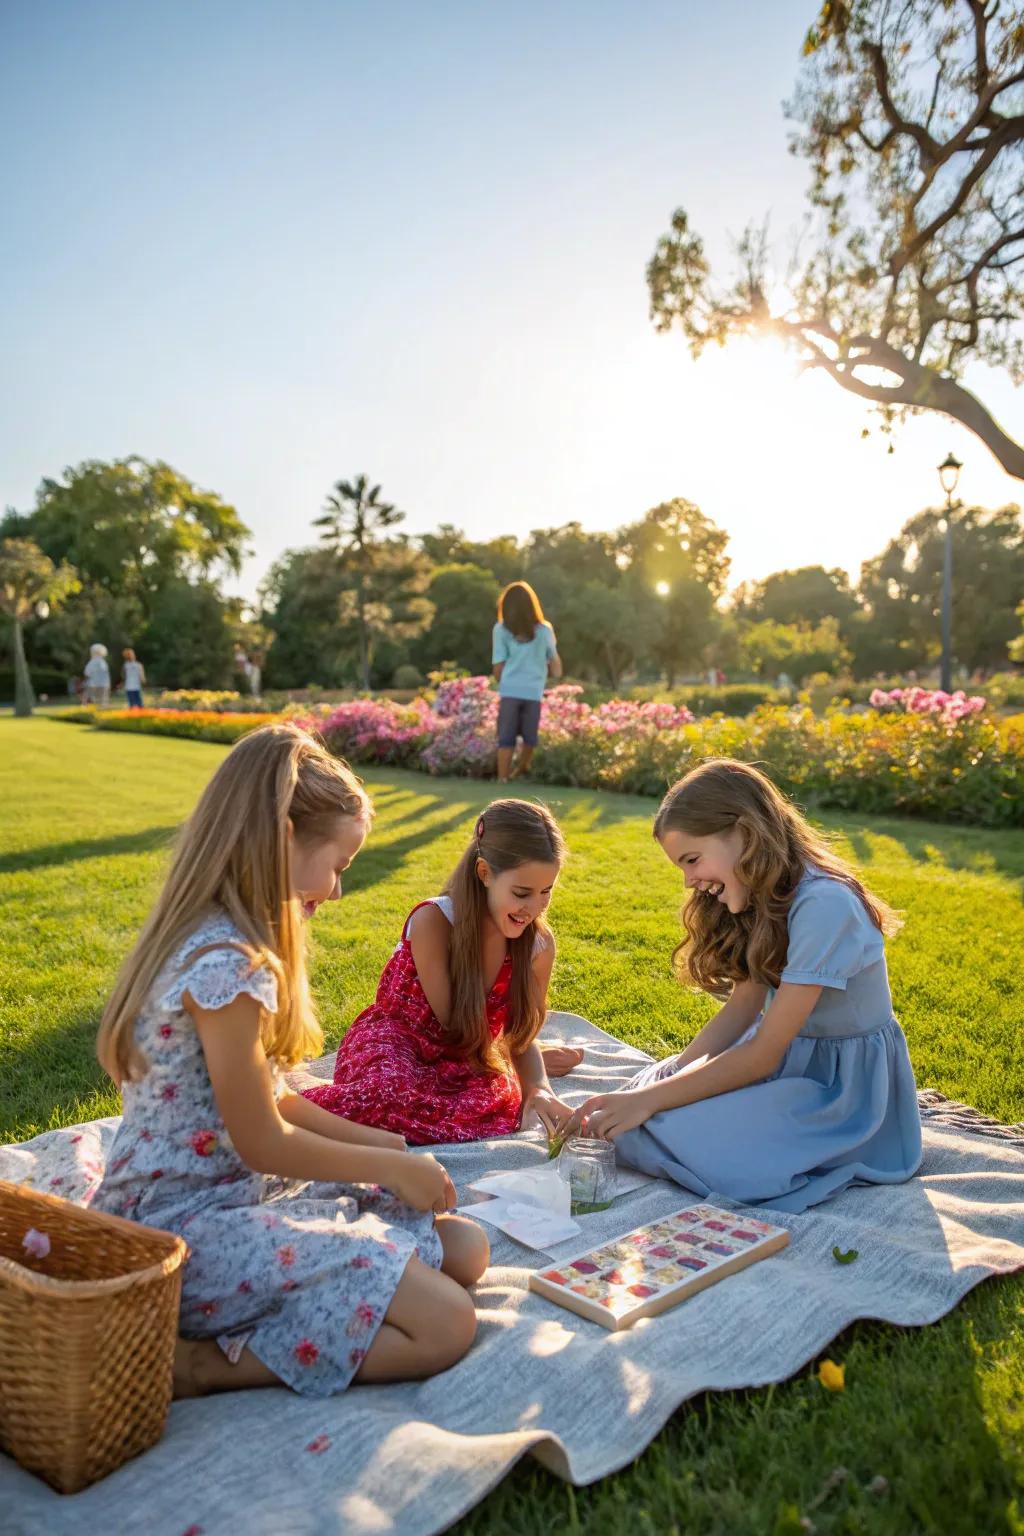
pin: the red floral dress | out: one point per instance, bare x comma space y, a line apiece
395, 1068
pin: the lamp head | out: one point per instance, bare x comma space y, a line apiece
949, 473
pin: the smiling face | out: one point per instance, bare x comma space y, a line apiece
317, 864
709, 864
519, 896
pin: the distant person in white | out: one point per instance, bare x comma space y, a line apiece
250, 670
134, 677
97, 676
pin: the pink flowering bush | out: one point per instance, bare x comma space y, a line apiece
603, 747
916, 752
950, 707
378, 731
464, 732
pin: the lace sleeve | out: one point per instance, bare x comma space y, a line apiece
219, 975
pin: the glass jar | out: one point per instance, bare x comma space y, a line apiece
587, 1165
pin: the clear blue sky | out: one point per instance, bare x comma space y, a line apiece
278, 244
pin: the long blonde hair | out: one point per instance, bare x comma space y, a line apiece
723, 947
234, 854
508, 834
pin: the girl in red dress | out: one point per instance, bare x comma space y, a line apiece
448, 1050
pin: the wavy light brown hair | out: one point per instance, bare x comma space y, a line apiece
508, 834
519, 610
723, 947
234, 853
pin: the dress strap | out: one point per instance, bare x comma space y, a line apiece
445, 903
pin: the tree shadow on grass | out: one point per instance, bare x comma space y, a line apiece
467, 798
974, 850
598, 806
144, 841
379, 859
51, 1071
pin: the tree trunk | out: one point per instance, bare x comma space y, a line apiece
364, 644
24, 698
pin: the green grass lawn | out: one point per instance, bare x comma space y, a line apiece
938, 1413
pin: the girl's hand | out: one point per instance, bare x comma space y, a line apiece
608, 1115
559, 1060
553, 1115
423, 1183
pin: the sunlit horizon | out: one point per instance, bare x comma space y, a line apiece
440, 285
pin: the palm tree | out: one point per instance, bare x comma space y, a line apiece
30, 583
353, 521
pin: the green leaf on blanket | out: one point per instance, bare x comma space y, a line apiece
844, 1258
556, 1143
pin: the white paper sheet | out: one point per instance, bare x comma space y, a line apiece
531, 1225
542, 1186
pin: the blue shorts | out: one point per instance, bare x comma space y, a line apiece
518, 717
134, 698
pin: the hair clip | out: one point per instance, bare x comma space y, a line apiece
480, 830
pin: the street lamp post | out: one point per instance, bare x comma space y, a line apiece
949, 474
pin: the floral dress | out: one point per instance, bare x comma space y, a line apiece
302, 1274
396, 1069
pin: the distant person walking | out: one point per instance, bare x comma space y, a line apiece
248, 672
97, 676
134, 678
524, 653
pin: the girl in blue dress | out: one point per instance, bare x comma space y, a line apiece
801, 1084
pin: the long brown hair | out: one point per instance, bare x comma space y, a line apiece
723, 947
234, 854
519, 610
508, 834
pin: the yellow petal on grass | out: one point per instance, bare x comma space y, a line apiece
832, 1376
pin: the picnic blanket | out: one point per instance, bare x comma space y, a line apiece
409, 1459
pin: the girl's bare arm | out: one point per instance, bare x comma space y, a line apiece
748, 1063
266, 1143
430, 936
296, 1110
725, 1027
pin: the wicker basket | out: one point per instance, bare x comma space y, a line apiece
86, 1337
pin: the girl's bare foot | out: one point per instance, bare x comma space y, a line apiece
201, 1367
187, 1357
559, 1060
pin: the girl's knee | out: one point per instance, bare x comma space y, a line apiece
458, 1331
465, 1247
436, 1315
446, 1327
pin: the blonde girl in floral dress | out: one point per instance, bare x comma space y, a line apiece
321, 1251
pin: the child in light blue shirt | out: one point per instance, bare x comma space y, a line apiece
523, 653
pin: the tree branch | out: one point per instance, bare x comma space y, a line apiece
929, 147
1011, 133
921, 388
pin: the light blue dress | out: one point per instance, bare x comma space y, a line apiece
842, 1107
